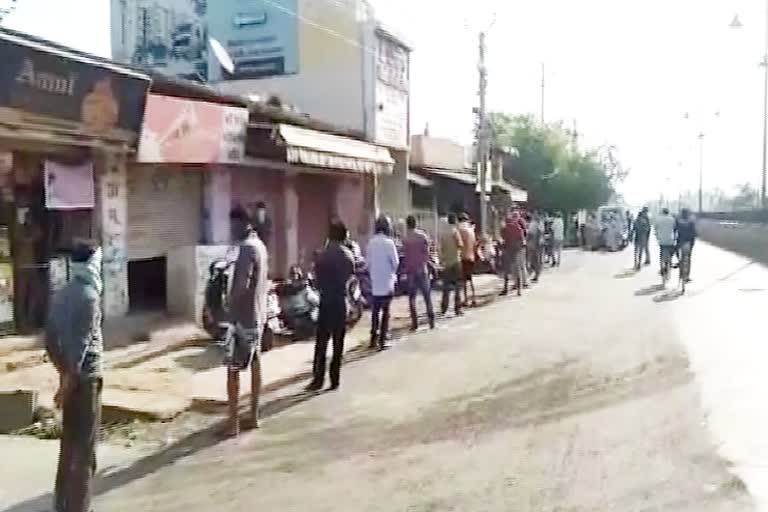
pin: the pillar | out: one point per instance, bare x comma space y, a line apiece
113, 191
218, 203
291, 208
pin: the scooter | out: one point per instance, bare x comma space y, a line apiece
299, 304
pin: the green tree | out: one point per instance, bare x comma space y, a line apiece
545, 161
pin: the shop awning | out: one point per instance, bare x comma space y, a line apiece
464, 177
320, 149
420, 180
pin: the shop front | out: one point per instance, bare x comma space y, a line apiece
316, 177
68, 122
178, 199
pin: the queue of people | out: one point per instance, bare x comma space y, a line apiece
673, 235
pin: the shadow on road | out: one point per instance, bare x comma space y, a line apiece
649, 290
669, 296
625, 274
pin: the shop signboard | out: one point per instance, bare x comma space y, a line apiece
392, 90
261, 37
195, 132
45, 84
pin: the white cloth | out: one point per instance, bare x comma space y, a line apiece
664, 226
382, 265
558, 229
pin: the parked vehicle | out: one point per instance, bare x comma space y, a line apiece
299, 303
216, 310
605, 214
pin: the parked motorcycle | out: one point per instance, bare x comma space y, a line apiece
216, 308
299, 304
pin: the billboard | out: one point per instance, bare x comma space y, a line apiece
171, 36
261, 37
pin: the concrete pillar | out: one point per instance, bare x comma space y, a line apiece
113, 191
291, 205
218, 203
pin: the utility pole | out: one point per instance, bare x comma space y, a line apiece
543, 90
701, 172
482, 136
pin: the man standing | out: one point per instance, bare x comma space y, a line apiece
468, 246
450, 260
382, 266
664, 226
534, 239
262, 224
685, 227
640, 235
333, 268
513, 239
415, 261
74, 344
558, 238
248, 312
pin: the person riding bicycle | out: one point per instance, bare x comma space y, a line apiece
664, 227
685, 228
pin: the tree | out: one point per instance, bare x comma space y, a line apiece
746, 198
547, 164
6, 8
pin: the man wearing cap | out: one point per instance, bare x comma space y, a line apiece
73, 340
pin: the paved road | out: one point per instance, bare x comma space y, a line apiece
595, 392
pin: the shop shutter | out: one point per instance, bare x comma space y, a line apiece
164, 210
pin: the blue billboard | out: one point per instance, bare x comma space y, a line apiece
261, 37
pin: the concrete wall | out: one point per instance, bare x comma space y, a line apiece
436, 152
393, 191
748, 239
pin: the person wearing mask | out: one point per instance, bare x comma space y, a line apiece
513, 241
640, 236
468, 246
73, 340
334, 267
383, 262
262, 224
534, 240
450, 261
685, 227
664, 227
416, 259
248, 314
558, 238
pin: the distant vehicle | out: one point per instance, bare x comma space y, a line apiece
604, 216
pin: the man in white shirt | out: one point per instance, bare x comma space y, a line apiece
382, 267
558, 237
664, 227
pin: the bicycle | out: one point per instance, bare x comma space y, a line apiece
684, 266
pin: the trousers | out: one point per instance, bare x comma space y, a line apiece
418, 282
380, 319
77, 452
331, 325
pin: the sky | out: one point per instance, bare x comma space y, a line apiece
625, 72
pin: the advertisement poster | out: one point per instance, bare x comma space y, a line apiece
6, 296
169, 36
69, 187
185, 131
261, 37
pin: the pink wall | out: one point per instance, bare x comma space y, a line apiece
249, 186
350, 201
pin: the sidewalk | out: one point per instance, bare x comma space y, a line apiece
177, 369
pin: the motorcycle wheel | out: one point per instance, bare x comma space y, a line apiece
354, 314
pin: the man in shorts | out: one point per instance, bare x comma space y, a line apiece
248, 307
468, 245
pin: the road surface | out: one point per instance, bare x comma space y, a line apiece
594, 392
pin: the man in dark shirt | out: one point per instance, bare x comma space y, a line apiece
333, 268
248, 312
685, 228
74, 343
640, 235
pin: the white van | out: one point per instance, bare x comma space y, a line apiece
604, 215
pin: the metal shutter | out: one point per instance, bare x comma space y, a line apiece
164, 210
